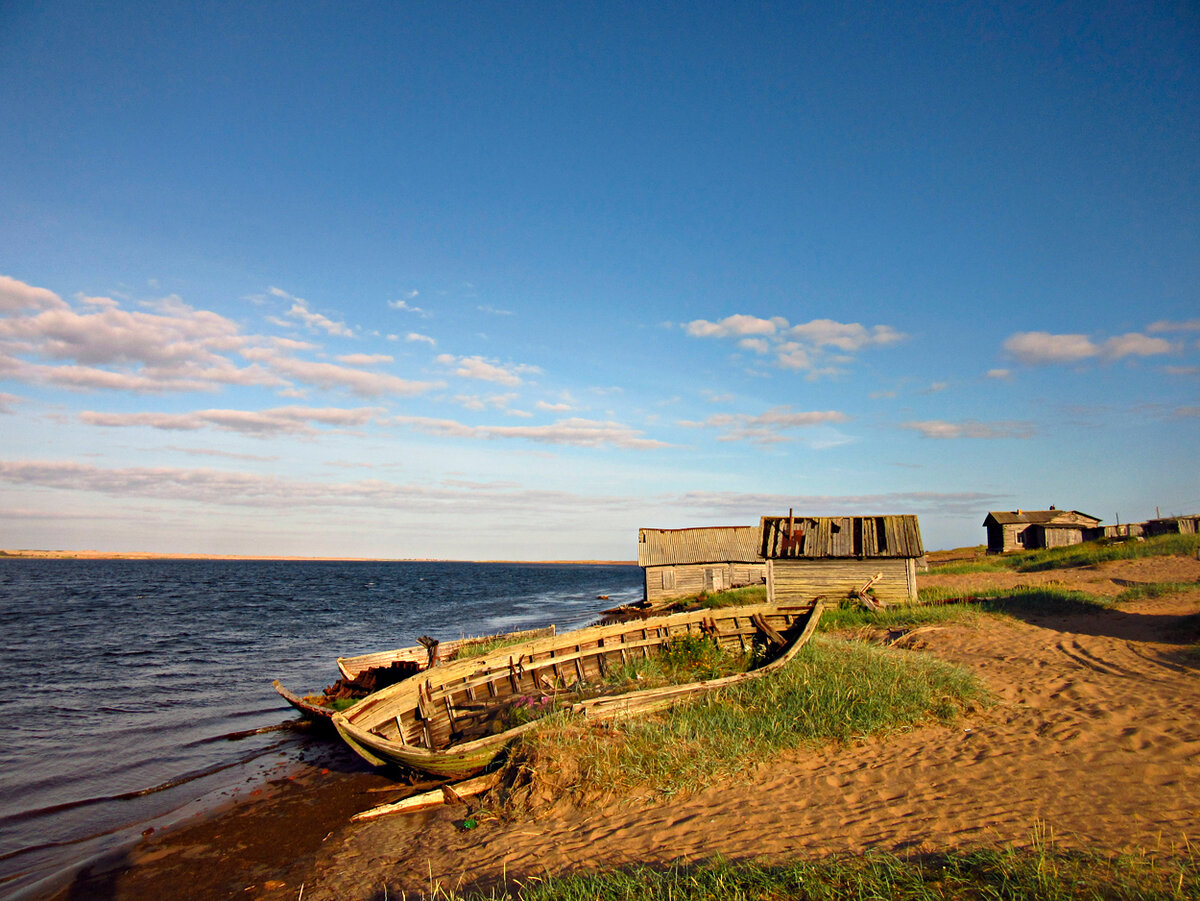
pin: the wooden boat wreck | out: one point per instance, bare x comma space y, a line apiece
363, 674
453, 720
352, 667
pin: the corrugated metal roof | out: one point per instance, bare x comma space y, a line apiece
841, 536
716, 544
1009, 517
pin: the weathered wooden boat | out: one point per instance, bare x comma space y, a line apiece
450, 721
309, 708
352, 667
418, 657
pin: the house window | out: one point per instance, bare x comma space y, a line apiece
668, 578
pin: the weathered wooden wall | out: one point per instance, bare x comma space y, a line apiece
1049, 537
686, 580
801, 580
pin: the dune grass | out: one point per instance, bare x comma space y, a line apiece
732, 597
1020, 874
1087, 554
832, 691
855, 616
1155, 590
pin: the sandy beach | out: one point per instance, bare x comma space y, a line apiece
1094, 738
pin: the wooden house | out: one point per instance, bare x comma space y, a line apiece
836, 556
679, 563
1020, 530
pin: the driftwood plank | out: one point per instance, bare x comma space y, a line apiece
447, 794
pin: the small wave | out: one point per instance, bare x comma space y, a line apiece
132, 795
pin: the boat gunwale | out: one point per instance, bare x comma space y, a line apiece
354, 666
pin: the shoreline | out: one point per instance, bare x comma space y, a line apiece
37, 554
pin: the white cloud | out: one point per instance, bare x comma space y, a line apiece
767, 427
261, 424
573, 432
16, 296
330, 376
405, 307
736, 326
414, 336
478, 402
1036, 348
800, 348
486, 370
7, 401
998, 373
553, 408
733, 506
299, 310
227, 455
845, 336
938, 428
493, 311
365, 359
169, 347
1135, 345
1163, 325
758, 345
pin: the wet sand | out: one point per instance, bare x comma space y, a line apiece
1095, 738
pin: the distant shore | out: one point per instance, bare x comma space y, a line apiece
146, 555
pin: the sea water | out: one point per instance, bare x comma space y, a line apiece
138, 690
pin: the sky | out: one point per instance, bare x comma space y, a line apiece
514, 280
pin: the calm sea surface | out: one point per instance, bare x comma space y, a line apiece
128, 683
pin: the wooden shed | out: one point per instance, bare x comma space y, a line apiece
678, 563
1172, 525
834, 556
1019, 530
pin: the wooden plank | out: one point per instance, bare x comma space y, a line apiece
459, 791
774, 637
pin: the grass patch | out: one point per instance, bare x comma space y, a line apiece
1087, 554
1007, 601
1154, 590
832, 691
481, 646
1017, 874
1040, 600
900, 617
733, 597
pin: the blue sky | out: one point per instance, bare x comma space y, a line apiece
513, 280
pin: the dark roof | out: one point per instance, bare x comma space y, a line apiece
841, 536
715, 544
1009, 517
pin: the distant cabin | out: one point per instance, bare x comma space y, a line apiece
834, 556
680, 563
1022, 530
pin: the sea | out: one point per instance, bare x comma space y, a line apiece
138, 692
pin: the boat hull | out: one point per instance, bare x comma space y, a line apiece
413, 724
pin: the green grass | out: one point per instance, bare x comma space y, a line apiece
733, 597
1154, 590
1040, 872
1087, 554
856, 616
832, 691
480, 646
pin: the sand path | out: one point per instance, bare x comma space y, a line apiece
1095, 737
